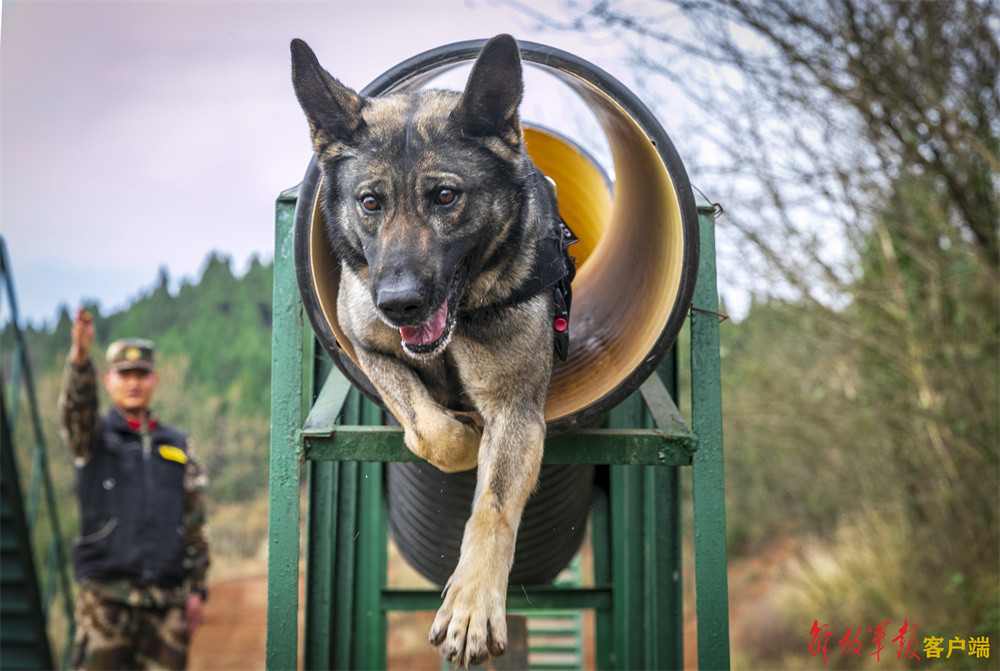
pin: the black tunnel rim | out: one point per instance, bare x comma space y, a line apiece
415, 71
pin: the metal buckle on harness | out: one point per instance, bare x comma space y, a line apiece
562, 293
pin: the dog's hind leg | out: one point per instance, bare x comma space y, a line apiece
429, 430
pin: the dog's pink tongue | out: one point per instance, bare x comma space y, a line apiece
429, 332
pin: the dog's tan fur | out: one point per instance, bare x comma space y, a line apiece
496, 359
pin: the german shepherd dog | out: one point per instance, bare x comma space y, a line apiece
443, 225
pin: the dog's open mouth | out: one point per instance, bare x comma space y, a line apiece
430, 336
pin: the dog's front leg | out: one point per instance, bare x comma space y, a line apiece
430, 431
471, 624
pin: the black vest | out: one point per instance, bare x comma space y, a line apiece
131, 504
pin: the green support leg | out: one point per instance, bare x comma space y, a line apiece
321, 547
371, 546
344, 570
344, 561
664, 588
600, 521
370, 620
648, 594
626, 548
286, 421
321, 539
707, 470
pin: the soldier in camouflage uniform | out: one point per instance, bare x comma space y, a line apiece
142, 554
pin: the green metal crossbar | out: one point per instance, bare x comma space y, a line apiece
15, 649
321, 424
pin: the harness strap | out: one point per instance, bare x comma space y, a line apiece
554, 269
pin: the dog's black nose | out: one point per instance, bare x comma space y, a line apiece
401, 301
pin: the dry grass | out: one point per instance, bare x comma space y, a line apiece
857, 578
238, 538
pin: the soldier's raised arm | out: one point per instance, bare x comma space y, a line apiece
78, 396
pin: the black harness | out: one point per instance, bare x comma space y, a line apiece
554, 269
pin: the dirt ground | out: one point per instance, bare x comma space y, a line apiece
232, 635
234, 623
234, 627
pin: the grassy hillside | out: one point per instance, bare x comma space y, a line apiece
213, 342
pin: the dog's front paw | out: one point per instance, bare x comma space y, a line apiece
471, 625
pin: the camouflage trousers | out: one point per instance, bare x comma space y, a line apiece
113, 635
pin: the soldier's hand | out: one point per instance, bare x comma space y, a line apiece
83, 337
192, 615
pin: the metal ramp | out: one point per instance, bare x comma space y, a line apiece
24, 643
24, 606
555, 637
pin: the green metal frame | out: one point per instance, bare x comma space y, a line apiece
57, 580
325, 430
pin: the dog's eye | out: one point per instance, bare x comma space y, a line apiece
370, 203
445, 196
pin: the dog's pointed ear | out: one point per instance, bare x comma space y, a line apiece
493, 93
333, 110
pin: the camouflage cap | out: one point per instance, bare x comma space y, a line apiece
130, 354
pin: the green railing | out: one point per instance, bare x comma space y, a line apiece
321, 424
57, 583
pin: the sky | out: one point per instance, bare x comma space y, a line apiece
143, 135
